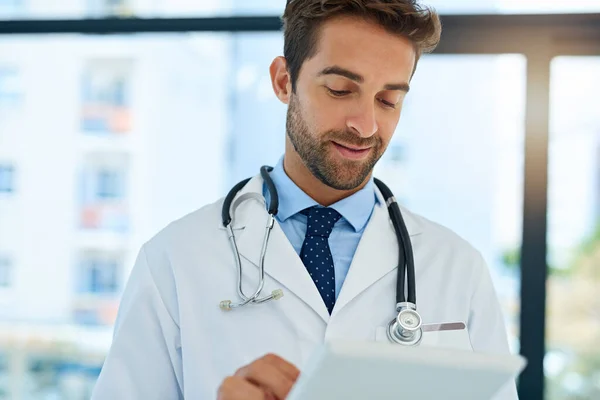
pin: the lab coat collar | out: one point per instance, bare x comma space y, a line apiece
283, 264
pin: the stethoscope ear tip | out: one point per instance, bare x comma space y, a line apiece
225, 305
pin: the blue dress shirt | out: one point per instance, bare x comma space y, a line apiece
356, 211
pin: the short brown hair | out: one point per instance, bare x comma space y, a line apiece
303, 18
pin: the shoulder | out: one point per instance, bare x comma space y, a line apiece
194, 227
437, 239
443, 253
435, 231
200, 232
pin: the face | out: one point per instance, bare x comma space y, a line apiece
348, 101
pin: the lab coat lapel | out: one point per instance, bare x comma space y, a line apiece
376, 254
281, 261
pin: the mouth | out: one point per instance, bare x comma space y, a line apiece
352, 152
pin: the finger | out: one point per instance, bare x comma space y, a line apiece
236, 387
283, 365
270, 396
267, 376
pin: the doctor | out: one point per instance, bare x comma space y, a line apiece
345, 73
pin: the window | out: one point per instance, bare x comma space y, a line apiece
7, 173
100, 273
104, 201
109, 184
10, 90
111, 189
5, 271
103, 277
100, 277
572, 362
106, 103
462, 158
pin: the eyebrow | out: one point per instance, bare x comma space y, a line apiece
353, 76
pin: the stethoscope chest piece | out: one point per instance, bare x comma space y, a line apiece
406, 327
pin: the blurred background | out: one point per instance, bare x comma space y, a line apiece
106, 138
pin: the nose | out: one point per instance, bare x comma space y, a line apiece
363, 121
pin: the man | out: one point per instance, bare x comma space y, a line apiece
346, 70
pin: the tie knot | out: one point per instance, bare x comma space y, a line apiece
320, 221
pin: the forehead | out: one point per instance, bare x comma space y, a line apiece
363, 47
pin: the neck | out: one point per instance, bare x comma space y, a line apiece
298, 172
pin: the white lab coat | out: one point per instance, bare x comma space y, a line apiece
172, 340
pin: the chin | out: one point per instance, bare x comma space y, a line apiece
347, 174
350, 167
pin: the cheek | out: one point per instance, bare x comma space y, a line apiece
387, 126
324, 116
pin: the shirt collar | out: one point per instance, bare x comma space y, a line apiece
356, 209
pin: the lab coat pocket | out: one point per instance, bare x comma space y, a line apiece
454, 335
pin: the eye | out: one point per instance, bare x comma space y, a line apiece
387, 103
338, 93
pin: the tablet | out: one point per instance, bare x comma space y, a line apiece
377, 370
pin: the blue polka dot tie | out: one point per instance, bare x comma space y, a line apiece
316, 254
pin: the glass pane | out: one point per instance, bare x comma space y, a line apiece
132, 132
572, 363
169, 8
457, 159
103, 141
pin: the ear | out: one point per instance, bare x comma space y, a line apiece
280, 79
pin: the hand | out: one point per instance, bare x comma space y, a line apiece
268, 378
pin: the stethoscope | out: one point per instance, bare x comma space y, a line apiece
405, 329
